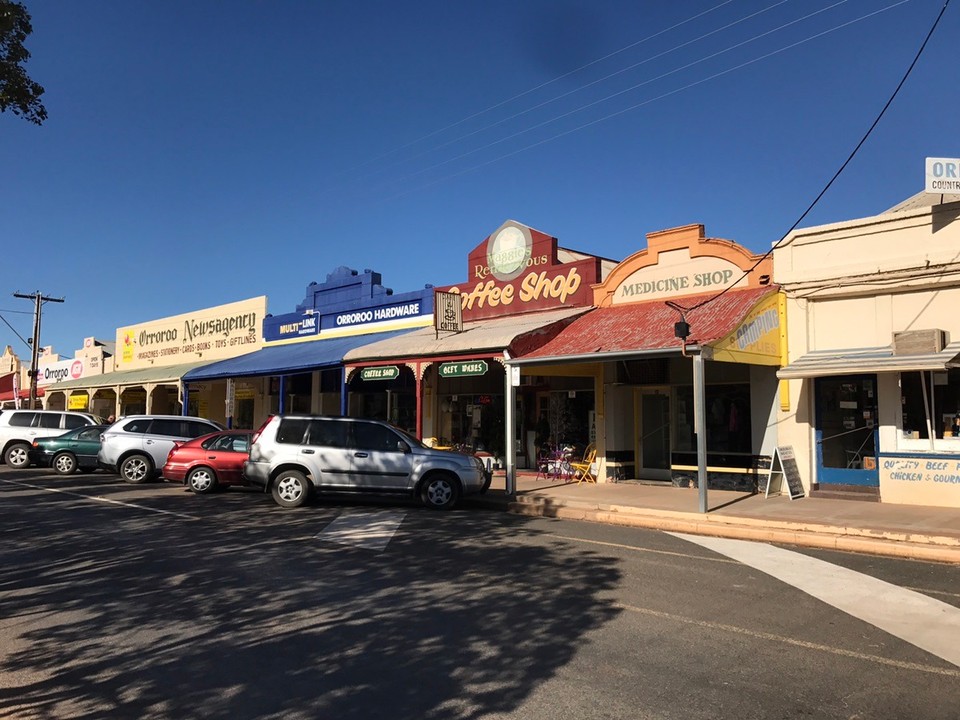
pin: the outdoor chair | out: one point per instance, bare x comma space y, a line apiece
583, 469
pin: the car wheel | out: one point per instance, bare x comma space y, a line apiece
291, 489
202, 480
64, 463
440, 492
17, 456
136, 469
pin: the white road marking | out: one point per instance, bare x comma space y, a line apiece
929, 624
793, 641
98, 498
370, 530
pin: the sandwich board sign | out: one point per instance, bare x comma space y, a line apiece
784, 472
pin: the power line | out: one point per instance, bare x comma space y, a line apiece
846, 162
640, 104
25, 342
584, 87
545, 84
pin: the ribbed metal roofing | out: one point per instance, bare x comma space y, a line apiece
516, 333
647, 326
868, 360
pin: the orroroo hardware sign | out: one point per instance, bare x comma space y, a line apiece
516, 270
212, 334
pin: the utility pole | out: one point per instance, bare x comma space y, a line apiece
38, 299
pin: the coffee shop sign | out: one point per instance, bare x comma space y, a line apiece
533, 287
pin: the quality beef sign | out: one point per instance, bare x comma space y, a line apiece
516, 270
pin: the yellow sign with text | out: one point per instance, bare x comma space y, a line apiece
78, 401
758, 340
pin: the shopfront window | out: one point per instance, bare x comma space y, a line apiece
847, 416
727, 415
930, 404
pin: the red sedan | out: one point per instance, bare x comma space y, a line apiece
210, 461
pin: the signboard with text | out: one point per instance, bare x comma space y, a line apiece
517, 270
383, 372
942, 175
212, 334
464, 368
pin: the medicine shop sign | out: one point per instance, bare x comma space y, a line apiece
517, 270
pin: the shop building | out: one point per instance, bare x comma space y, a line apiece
152, 358
93, 359
649, 383
872, 388
12, 375
299, 369
522, 289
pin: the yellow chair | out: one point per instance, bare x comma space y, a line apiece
583, 469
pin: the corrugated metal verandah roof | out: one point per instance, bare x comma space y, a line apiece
516, 333
163, 374
646, 327
822, 363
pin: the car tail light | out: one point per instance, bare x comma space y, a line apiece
36, 444
260, 430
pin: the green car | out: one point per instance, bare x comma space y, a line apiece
75, 449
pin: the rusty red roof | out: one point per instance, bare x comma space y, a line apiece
649, 325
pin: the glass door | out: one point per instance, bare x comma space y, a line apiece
846, 433
653, 434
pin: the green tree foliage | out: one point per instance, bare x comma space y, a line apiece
18, 93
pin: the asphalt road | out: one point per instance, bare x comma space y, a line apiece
128, 601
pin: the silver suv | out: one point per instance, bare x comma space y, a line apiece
292, 455
136, 447
19, 428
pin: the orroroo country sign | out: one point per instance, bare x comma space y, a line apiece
516, 270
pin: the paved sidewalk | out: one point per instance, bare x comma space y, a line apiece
910, 531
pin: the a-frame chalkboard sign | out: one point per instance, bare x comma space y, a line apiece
783, 468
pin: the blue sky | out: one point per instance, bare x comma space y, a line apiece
199, 153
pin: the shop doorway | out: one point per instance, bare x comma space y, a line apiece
846, 430
653, 434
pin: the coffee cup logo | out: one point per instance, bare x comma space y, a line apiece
508, 253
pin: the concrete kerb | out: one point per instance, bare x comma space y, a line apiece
863, 540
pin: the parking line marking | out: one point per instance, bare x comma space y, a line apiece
370, 530
98, 498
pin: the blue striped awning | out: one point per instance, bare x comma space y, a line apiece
822, 363
287, 359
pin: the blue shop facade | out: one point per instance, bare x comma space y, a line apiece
300, 367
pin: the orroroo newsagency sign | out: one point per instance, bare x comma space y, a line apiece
517, 270
211, 334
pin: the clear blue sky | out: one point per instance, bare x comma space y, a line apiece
199, 152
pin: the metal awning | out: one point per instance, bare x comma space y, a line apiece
822, 363
288, 359
514, 332
151, 375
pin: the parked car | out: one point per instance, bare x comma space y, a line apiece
291, 456
74, 450
136, 447
19, 428
209, 461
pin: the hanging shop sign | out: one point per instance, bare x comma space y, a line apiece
464, 368
384, 372
517, 270
77, 401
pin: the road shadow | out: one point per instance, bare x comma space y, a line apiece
244, 613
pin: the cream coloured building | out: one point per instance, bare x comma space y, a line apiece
870, 396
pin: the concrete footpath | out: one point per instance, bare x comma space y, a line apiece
905, 531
